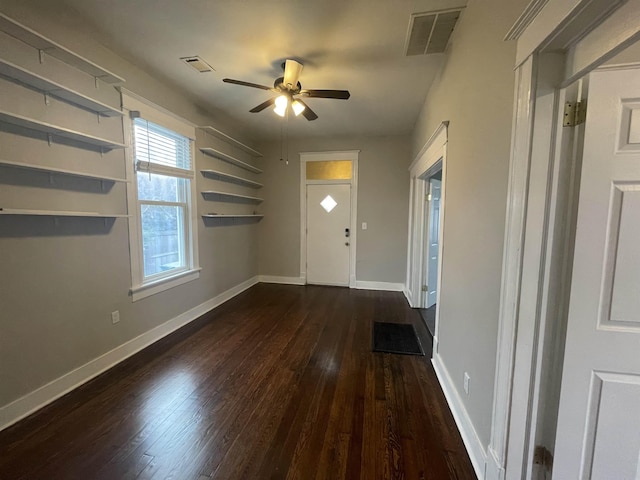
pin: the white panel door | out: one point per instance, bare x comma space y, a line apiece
433, 242
598, 433
328, 223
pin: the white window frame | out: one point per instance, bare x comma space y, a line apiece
135, 106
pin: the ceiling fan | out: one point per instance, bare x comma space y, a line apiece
288, 88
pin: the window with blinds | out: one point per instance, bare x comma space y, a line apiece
164, 176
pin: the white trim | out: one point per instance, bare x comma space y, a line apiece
353, 156
385, 286
430, 160
559, 26
143, 291
35, 400
469, 435
512, 260
281, 280
157, 114
605, 41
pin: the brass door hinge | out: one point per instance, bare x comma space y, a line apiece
575, 113
542, 456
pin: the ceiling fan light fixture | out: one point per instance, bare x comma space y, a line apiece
281, 105
297, 107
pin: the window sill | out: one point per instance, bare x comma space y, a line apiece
143, 291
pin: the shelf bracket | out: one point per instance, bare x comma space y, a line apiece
41, 55
101, 152
51, 178
98, 115
49, 139
47, 99
97, 84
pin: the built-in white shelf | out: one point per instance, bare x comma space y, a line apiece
223, 136
221, 215
58, 213
62, 132
54, 89
227, 177
62, 171
212, 152
226, 196
44, 44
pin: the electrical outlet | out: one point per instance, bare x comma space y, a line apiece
364, 225
466, 383
115, 317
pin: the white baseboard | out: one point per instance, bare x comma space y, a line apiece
494, 469
470, 438
26, 405
386, 286
407, 295
282, 280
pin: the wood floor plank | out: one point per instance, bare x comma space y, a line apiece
278, 383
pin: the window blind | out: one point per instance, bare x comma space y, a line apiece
158, 149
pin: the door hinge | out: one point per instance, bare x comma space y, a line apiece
575, 113
425, 288
542, 456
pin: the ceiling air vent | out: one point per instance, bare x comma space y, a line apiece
430, 32
197, 63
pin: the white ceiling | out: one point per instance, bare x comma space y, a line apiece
344, 44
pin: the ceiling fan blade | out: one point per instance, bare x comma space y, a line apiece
307, 112
292, 70
245, 84
339, 94
262, 106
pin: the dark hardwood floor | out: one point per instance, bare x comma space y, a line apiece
278, 383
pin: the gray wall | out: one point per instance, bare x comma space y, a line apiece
475, 93
383, 199
60, 280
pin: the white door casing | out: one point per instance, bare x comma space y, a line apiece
328, 234
598, 434
305, 157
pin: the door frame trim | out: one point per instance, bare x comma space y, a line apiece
571, 29
431, 159
305, 157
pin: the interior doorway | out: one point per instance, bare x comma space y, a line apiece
424, 264
429, 289
328, 213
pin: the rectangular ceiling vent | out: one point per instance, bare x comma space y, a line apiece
197, 63
430, 32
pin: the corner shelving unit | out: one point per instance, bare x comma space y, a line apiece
54, 49
227, 177
232, 141
230, 197
212, 152
61, 171
49, 87
47, 128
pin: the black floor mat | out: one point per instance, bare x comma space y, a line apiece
396, 338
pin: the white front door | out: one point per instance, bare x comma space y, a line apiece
433, 239
598, 434
328, 235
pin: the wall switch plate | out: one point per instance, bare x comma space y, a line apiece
466, 383
364, 225
115, 317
